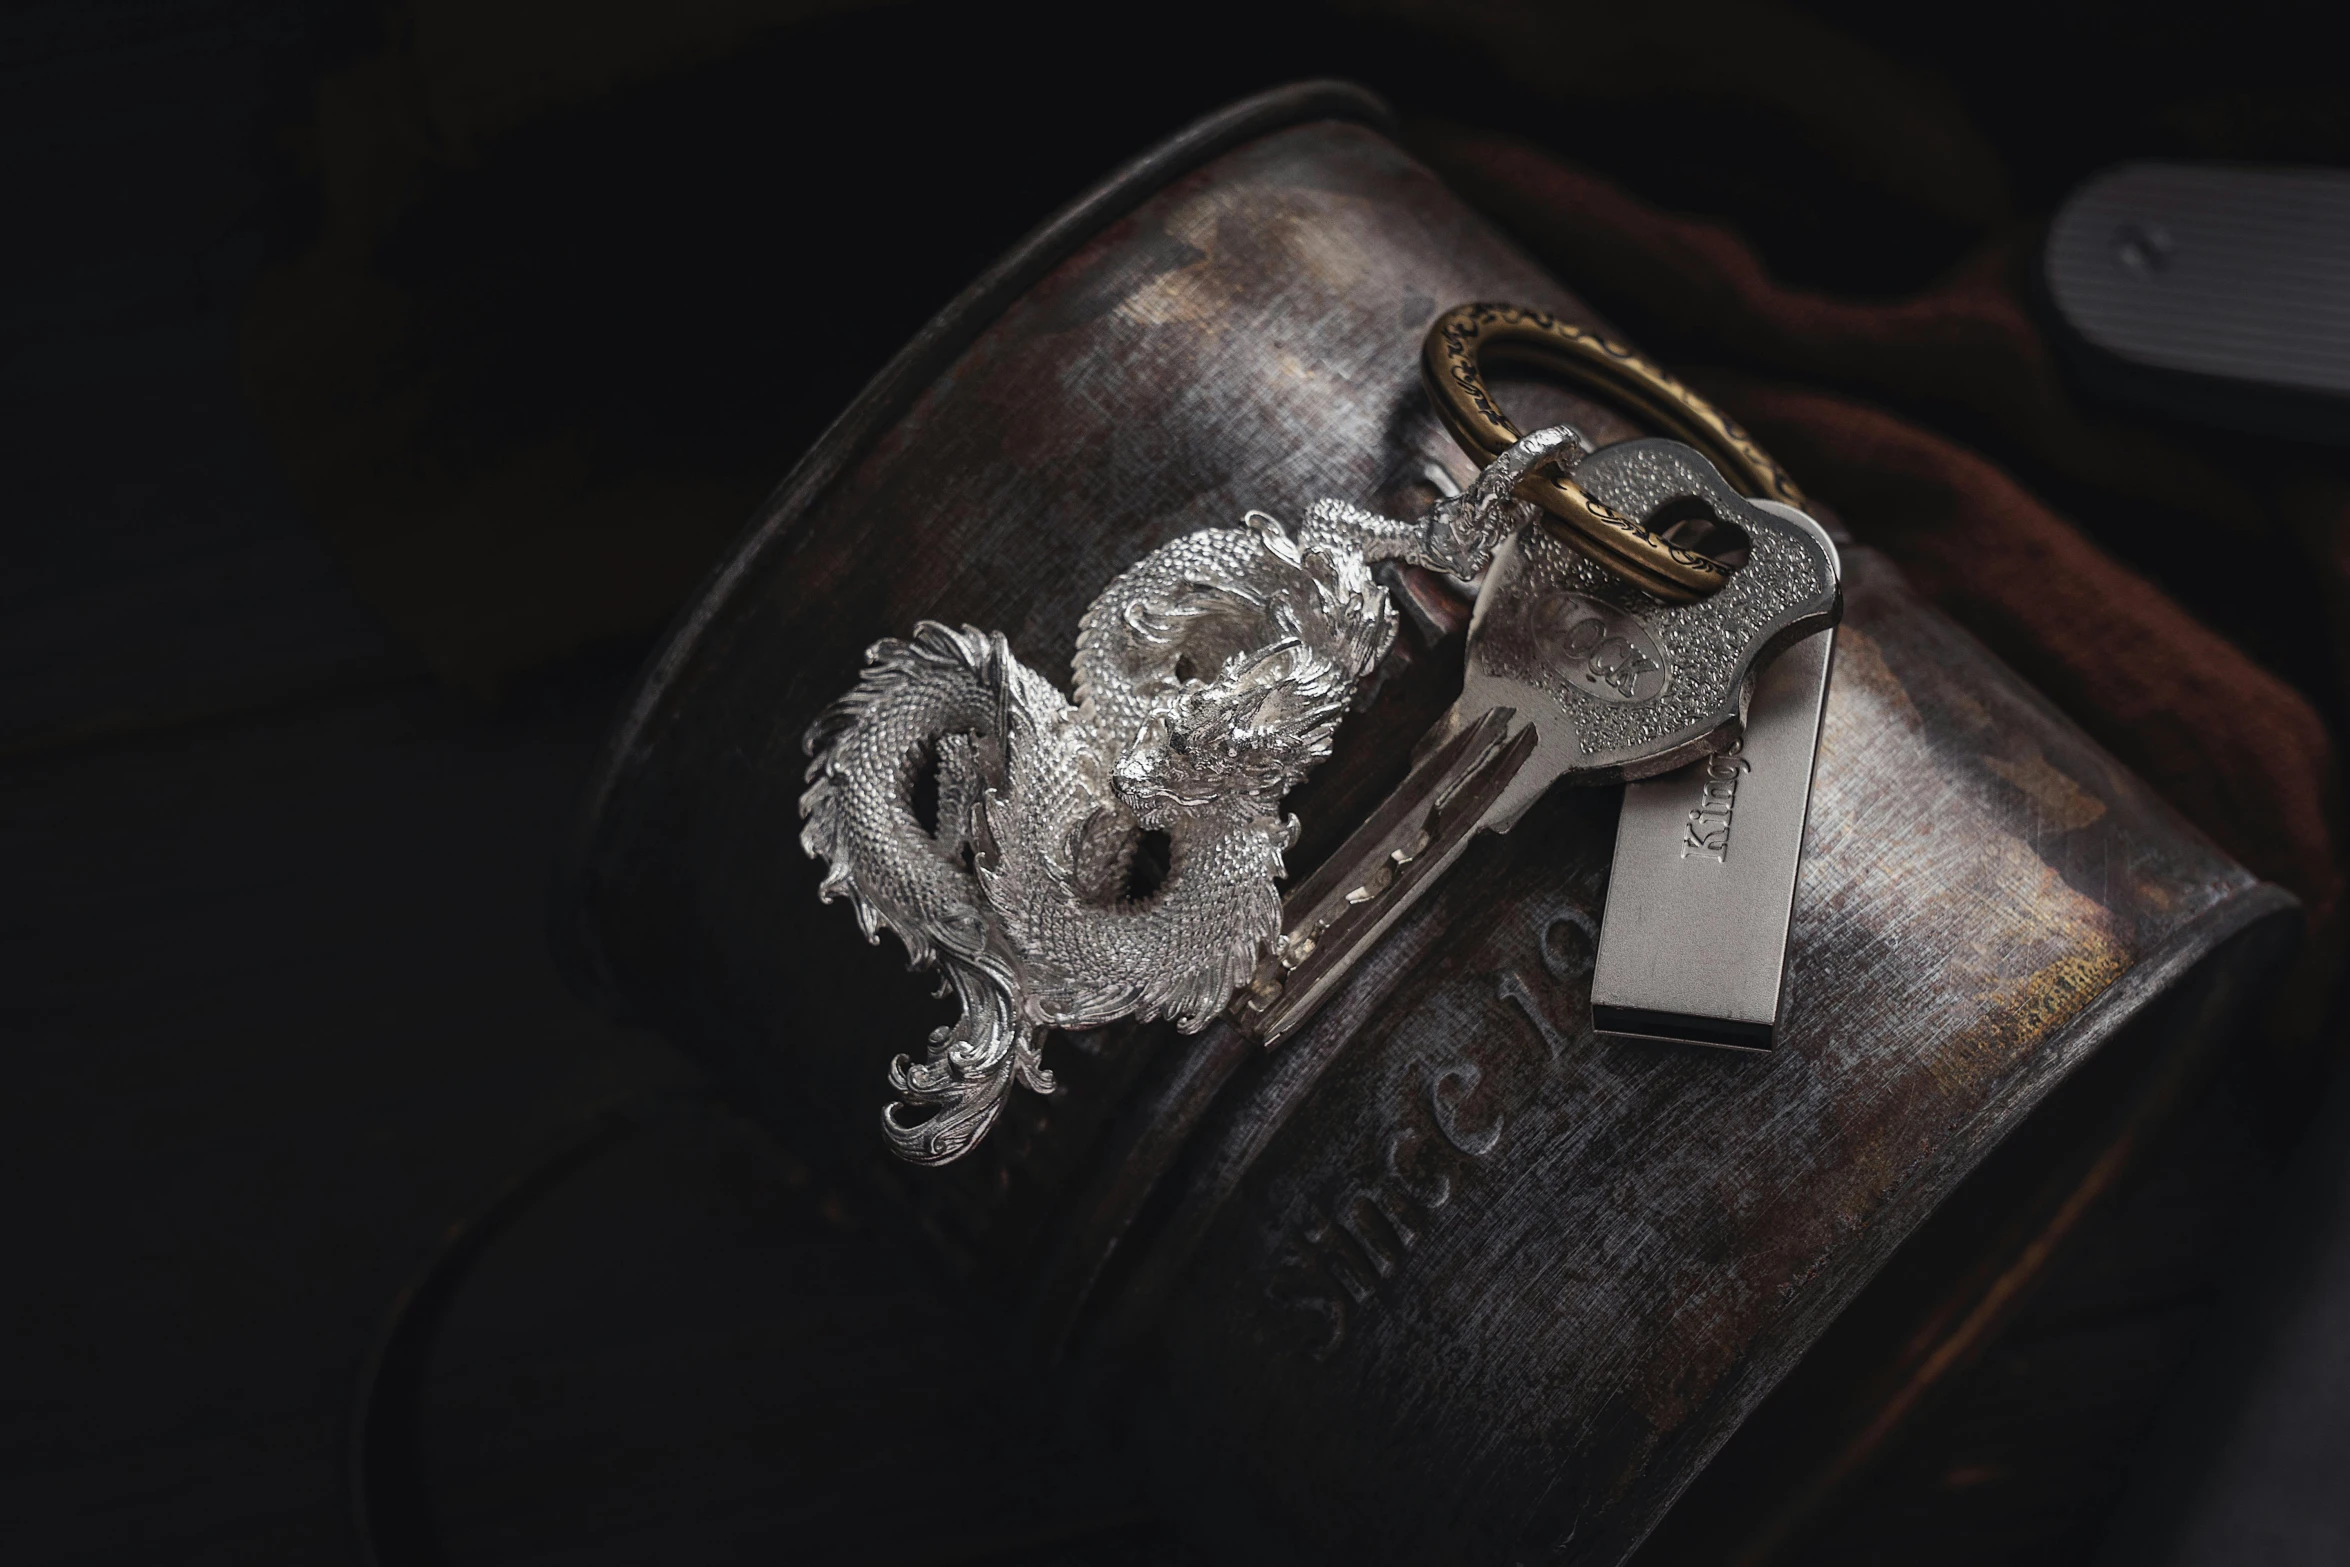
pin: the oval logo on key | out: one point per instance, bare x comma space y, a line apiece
1601, 650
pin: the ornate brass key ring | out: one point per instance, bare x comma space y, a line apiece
1451, 368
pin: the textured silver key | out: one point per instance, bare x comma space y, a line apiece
1573, 674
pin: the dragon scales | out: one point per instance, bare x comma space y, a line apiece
1210, 677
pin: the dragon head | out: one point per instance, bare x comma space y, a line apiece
1310, 625
1231, 747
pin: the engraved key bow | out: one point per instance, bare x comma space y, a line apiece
1210, 677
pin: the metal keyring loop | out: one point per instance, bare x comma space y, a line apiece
1451, 369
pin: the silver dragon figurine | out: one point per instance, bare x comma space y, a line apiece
1210, 678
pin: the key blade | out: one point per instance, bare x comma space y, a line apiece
1314, 902
1343, 909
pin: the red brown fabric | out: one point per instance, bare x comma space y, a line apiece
2240, 752
1968, 345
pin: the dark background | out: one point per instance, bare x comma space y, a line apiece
377, 379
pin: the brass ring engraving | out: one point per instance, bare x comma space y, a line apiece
1451, 369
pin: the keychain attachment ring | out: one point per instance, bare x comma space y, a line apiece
1452, 371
